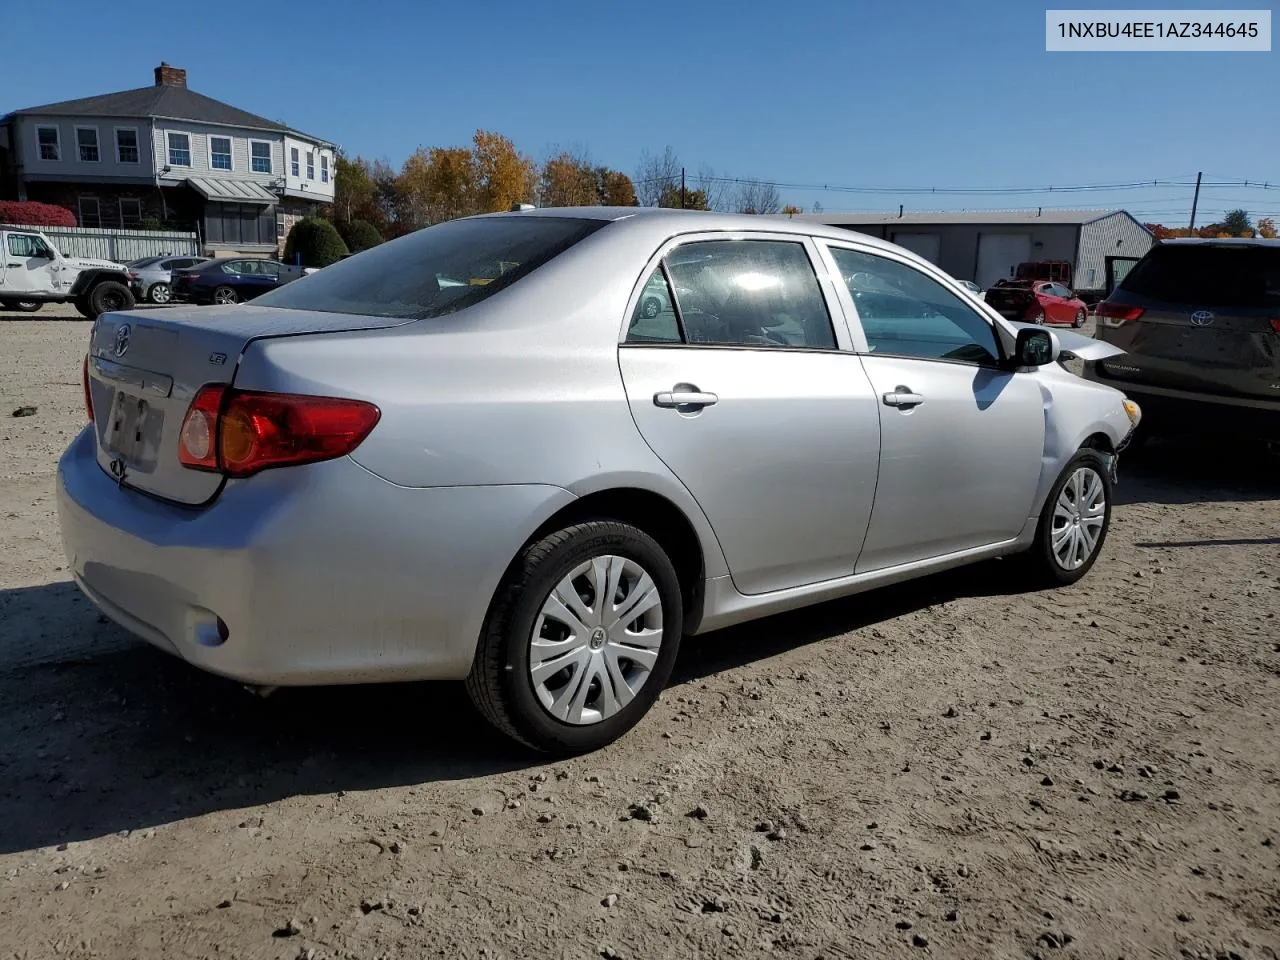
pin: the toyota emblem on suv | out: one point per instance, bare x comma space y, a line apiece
1201, 318
122, 339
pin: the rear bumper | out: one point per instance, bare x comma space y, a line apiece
322, 574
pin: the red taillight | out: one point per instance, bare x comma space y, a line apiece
1275, 324
88, 393
242, 432
1114, 314
198, 441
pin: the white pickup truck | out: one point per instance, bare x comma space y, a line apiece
33, 272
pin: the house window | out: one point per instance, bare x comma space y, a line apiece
260, 156
279, 224
219, 153
50, 146
311, 165
293, 161
240, 224
324, 168
90, 212
130, 211
126, 144
87, 144
179, 149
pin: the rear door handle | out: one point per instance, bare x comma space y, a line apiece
902, 397
684, 398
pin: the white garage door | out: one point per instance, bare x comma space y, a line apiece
926, 245
998, 254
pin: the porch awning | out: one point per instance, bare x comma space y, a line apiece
231, 191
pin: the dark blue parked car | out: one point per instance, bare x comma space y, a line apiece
231, 281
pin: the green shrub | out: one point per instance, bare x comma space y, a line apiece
359, 235
316, 240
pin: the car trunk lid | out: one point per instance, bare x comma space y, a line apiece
1209, 321
1010, 298
146, 366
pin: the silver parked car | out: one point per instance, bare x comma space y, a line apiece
476, 452
151, 278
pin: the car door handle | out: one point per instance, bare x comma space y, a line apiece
684, 398
902, 397
15, 264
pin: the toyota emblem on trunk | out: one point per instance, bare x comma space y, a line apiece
1201, 318
122, 339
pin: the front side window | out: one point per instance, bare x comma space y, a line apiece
437, 271
233, 266
324, 168
127, 145
220, 153
50, 144
28, 245
293, 161
179, 150
905, 313
738, 293
87, 144
311, 165
260, 156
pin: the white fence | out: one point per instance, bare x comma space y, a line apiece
119, 246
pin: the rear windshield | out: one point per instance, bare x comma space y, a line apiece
435, 271
1209, 276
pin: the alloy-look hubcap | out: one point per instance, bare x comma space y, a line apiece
1078, 518
596, 640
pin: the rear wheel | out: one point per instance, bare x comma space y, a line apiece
1080, 318
160, 293
1039, 317
225, 295
21, 306
1074, 522
581, 638
107, 296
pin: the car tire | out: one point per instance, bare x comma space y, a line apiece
1039, 317
225, 295
21, 306
107, 296
505, 684
1057, 561
160, 293
82, 306
1081, 315
651, 308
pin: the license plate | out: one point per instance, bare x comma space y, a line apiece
132, 421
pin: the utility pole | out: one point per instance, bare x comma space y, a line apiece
682, 188
1195, 202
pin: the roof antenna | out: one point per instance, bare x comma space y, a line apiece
900, 206
1039, 211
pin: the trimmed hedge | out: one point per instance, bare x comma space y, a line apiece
29, 213
317, 241
359, 235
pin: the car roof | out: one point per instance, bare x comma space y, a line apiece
1220, 242
677, 221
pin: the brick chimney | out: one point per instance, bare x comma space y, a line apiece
167, 76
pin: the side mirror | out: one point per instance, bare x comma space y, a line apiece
1034, 348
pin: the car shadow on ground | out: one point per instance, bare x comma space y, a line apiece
1187, 470
106, 734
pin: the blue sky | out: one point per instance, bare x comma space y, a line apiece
848, 92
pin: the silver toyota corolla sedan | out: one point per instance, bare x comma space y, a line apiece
478, 452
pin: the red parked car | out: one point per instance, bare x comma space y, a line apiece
1037, 301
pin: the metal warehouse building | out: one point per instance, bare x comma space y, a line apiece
985, 246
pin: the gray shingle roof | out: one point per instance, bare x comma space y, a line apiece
177, 103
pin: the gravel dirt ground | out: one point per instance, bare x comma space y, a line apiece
949, 768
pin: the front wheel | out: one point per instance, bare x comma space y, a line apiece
1039, 317
581, 638
160, 293
1074, 522
225, 295
1080, 318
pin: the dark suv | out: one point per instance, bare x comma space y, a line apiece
1200, 323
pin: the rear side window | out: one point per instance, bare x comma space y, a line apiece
1209, 276
436, 271
740, 293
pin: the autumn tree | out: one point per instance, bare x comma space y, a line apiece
615, 189
791, 210
656, 176
353, 190
690, 200
1267, 228
568, 181
504, 176
1237, 223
